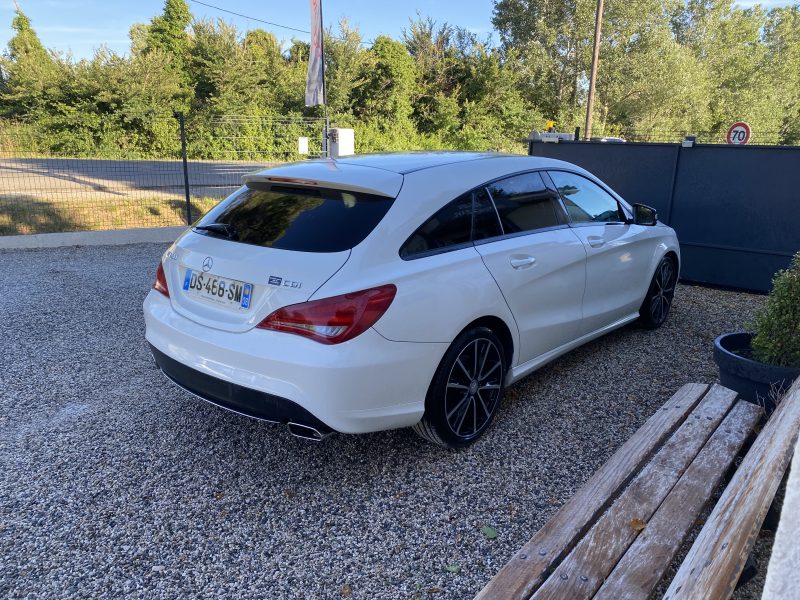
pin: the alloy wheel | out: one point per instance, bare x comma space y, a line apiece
664, 289
473, 387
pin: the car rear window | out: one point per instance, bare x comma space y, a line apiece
298, 218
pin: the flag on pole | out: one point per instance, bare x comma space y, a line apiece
315, 81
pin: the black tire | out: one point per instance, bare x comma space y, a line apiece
463, 398
658, 301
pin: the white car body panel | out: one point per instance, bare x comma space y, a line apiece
519, 371
585, 281
448, 291
618, 271
545, 296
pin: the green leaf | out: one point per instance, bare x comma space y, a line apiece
455, 569
489, 532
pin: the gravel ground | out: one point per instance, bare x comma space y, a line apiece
114, 482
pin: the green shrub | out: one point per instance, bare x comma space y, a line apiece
777, 324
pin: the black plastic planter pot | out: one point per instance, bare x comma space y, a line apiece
753, 380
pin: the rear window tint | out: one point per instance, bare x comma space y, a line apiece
301, 219
449, 227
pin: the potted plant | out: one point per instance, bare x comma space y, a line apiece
762, 364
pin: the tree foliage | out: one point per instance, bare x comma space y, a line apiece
689, 66
665, 65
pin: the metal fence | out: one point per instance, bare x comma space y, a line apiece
758, 137
735, 208
70, 183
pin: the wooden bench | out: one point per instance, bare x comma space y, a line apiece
617, 536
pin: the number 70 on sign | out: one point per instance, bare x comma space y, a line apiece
738, 133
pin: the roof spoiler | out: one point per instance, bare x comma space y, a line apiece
350, 178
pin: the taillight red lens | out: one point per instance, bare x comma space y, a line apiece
333, 320
160, 284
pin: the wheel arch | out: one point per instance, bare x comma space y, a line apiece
500, 328
674, 256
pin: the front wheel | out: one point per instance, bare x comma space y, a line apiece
658, 301
466, 390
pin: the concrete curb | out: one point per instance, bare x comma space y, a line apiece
114, 237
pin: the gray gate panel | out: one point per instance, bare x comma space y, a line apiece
739, 197
736, 209
732, 268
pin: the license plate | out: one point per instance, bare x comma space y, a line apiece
219, 290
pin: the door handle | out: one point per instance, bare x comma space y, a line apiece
595, 241
521, 261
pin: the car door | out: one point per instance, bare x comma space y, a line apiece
618, 253
538, 262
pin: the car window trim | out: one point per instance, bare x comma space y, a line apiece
548, 181
494, 206
435, 251
620, 205
516, 234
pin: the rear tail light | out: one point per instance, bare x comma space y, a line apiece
160, 284
333, 320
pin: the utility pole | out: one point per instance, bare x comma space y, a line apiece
598, 27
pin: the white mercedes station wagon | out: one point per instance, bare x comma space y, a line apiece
400, 290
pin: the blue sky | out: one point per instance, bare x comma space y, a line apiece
83, 25
80, 26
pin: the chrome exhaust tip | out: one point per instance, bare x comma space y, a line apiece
307, 432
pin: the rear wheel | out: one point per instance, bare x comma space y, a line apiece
658, 301
466, 390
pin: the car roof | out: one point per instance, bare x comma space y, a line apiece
383, 173
408, 162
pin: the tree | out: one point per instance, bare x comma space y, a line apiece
167, 31
554, 39
437, 90
28, 71
782, 38
648, 83
346, 65
385, 95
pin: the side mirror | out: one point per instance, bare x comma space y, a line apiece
644, 215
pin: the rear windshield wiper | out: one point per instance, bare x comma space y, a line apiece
223, 229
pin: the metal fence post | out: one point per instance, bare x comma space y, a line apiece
675, 165
182, 122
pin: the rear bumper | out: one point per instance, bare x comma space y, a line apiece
366, 384
237, 398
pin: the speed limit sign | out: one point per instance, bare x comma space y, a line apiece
739, 133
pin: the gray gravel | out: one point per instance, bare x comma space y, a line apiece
113, 482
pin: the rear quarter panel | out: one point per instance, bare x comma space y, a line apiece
438, 295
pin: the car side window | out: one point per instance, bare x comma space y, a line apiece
485, 225
585, 201
449, 226
525, 203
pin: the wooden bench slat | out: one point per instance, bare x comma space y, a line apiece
716, 559
644, 564
583, 571
524, 572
